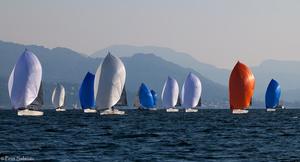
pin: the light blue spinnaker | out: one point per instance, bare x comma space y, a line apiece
272, 94
86, 92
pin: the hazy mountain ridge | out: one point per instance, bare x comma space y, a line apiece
69, 67
285, 72
182, 59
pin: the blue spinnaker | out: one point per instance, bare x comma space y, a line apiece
145, 96
154, 96
86, 92
272, 94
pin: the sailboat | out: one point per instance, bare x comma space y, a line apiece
191, 93
111, 82
169, 95
24, 85
241, 88
86, 94
146, 98
58, 97
272, 96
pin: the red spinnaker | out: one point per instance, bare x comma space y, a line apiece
241, 87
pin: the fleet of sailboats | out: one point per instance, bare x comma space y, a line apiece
241, 88
106, 90
58, 97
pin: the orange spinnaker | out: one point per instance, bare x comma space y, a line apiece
241, 87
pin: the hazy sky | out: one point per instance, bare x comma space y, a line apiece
218, 32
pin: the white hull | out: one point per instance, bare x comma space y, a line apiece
172, 110
153, 109
191, 110
270, 110
27, 112
112, 112
239, 111
90, 111
60, 109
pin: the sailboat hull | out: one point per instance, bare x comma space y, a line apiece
90, 111
239, 111
191, 110
270, 109
172, 110
112, 112
60, 110
27, 112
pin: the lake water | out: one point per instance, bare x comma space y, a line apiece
209, 135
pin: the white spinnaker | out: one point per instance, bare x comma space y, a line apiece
191, 91
111, 82
25, 80
170, 93
96, 81
58, 96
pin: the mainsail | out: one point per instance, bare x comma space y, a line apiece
199, 102
145, 97
39, 100
58, 96
241, 87
273, 93
96, 81
86, 92
191, 91
178, 103
170, 92
123, 99
136, 102
25, 80
111, 82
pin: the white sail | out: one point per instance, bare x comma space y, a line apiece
96, 81
58, 96
191, 91
170, 93
111, 82
25, 80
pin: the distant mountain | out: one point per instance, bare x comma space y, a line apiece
69, 67
286, 72
183, 59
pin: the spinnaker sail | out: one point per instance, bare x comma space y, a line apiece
191, 91
58, 96
170, 93
111, 82
25, 80
273, 93
86, 92
145, 97
241, 87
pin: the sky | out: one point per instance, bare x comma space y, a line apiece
218, 32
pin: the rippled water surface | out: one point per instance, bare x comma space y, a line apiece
209, 135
